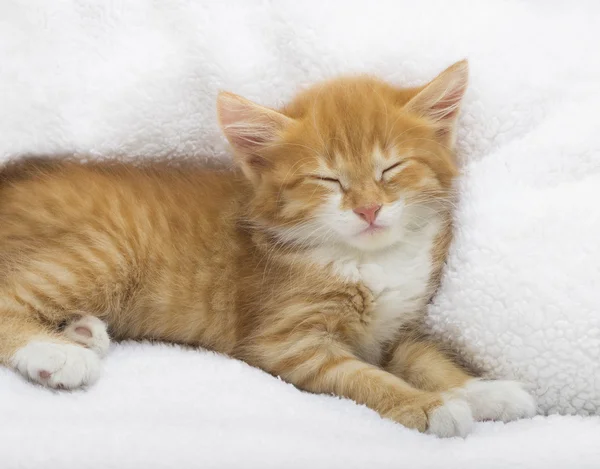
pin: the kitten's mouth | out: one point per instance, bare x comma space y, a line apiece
372, 229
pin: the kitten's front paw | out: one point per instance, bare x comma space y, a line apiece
498, 400
452, 418
90, 332
57, 365
446, 417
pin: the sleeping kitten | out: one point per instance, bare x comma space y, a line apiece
314, 261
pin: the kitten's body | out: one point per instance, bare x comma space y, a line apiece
265, 264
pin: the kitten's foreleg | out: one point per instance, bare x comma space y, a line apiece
319, 364
424, 364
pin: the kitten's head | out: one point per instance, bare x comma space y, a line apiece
353, 161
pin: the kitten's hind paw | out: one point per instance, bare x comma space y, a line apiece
90, 332
57, 365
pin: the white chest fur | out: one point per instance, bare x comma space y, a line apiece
399, 279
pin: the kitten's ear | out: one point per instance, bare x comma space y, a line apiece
249, 127
440, 100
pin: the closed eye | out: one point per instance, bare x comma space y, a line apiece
394, 166
328, 180
323, 178
389, 169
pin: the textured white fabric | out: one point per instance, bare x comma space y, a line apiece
521, 295
135, 77
159, 406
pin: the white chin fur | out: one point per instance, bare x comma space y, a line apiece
375, 241
349, 228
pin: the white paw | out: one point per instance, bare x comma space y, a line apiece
90, 332
498, 400
453, 418
57, 365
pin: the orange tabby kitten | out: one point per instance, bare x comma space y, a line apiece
314, 261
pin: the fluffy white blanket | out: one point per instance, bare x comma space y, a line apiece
520, 297
162, 407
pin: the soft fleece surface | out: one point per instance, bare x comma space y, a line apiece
168, 408
520, 297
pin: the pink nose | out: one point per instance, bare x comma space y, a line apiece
368, 213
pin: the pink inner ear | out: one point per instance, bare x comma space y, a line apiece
243, 139
447, 107
247, 125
